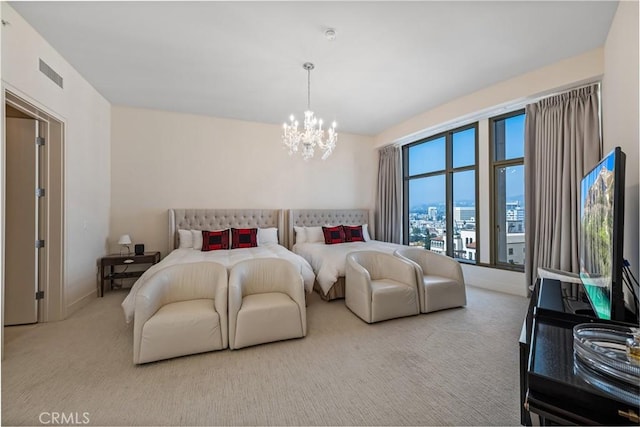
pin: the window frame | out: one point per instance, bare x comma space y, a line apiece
493, 166
448, 172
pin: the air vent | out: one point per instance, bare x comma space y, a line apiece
48, 71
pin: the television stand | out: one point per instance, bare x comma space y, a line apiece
549, 385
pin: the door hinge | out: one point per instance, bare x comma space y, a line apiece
39, 140
39, 192
40, 295
39, 244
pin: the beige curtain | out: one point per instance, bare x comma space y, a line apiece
388, 219
562, 143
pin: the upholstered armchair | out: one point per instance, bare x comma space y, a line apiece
441, 279
180, 310
380, 286
266, 302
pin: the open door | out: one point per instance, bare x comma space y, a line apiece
23, 191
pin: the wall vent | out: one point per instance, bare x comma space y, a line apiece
48, 71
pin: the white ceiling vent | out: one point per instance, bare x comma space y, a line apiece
48, 71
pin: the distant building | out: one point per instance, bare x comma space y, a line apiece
464, 213
515, 248
468, 238
432, 213
515, 212
438, 245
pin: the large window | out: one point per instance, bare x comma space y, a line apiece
506, 134
440, 177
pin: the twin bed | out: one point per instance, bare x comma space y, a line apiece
222, 219
321, 266
328, 261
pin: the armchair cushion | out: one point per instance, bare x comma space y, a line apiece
179, 328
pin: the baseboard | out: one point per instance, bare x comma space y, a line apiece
80, 302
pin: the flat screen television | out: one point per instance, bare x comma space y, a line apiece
601, 236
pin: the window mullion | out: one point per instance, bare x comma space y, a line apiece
449, 193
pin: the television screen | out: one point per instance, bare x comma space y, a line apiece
600, 243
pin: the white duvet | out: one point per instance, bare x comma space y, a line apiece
225, 257
328, 261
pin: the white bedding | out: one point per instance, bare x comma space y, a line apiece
328, 261
228, 258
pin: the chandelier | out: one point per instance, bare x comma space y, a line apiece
312, 135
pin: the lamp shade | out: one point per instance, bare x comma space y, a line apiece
125, 239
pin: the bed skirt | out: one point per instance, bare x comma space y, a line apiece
336, 291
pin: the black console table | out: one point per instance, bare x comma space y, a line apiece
551, 385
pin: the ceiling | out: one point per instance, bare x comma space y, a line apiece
243, 60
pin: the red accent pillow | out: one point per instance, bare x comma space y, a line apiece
244, 238
214, 240
353, 233
333, 235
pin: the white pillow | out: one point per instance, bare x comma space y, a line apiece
301, 234
365, 232
197, 239
314, 234
267, 236
185, 239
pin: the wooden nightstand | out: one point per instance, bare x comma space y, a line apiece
111, 261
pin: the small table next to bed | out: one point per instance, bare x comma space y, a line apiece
147, 259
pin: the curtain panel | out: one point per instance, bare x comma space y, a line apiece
388, 219
562, 142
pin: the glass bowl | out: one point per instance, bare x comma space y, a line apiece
602, 347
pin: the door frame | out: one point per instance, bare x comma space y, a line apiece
52, 258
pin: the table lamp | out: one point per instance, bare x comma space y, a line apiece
125, 240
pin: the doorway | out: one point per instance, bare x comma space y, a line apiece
33, 214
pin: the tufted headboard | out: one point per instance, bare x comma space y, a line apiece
219, 219
320, 217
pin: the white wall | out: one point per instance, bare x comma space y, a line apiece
497, 99
163, 160
86, 115
620, 113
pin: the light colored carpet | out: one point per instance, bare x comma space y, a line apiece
455, 367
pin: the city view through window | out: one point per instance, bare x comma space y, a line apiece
431, 197
441, 209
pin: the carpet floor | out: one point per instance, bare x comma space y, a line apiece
454, 367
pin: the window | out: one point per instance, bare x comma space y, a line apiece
440, 187
506, 135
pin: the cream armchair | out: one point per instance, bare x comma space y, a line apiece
180, 310
441, 279
266, 302
380, 286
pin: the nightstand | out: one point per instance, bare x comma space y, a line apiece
145, 260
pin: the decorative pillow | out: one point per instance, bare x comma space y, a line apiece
267, 236
353, 233
185, 239
333, 235
214, 240
196, 236
365, 232
301, 234
244, 238
315, 234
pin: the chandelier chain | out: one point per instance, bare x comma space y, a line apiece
309, 89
